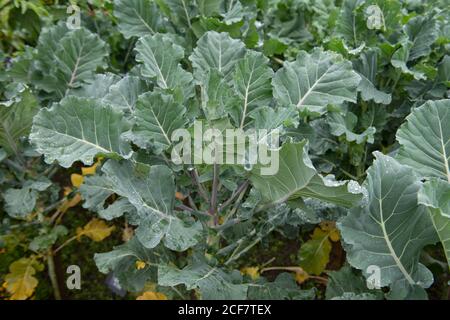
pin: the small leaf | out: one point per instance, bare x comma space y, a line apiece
315, 253
20, 282
140, 264
252, 272
150, 295
95, 229
76, 179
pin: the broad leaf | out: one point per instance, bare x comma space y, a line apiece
314, 81
422, 32
297, 177
161, 61
425, 140
15, 121
216, 51
137, 18
283, 288
78, 55
367, 68
122, 262
346, 281
21, 282
390, 230
435, 195
21, 202
157, 116
213, 282
79, 129
345, 125
252, 83
154, 203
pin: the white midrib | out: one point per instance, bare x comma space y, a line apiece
391, 249
85, 142
159, 69
311, 89
246, 98
143, 21
160, 127
444, 154
186, 13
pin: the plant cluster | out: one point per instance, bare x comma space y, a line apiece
357, 89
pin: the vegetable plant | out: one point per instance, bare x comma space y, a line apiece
357, 91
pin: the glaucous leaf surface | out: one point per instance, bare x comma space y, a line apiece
314, 81
390, 230
78, 129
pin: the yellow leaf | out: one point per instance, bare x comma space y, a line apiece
150, 295
330, 227
76, 179
334, 235
301, 276
95, 229
180, 196
140, 264
70, 203
315, 253
20, 281
252, 272
85, 171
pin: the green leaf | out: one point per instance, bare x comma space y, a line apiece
16, 120
124, 94
314, 81
217, 95
137, 18
218, 51
351, 22
425, 140
390, 230
78, 129
48, 44
122, 262
283, 288
21, 202
367, 68
213, 282
45, 241
422, 32
157, 116
79, 53
154, 203
315, 253
182, 11
435, 195
97, 88
296, 177
161, 61
346, 281
252, 83
400, 59
345, 125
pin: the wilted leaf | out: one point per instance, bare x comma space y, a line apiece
21, 282
150, 295
95, 229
